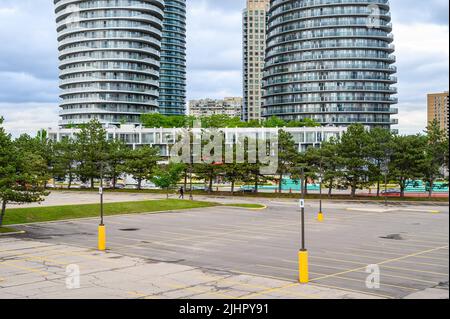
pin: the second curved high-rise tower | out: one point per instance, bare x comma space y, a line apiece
331, 61
109, 59
172, 100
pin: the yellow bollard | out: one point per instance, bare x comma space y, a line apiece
320, 217
303, 267
102, 238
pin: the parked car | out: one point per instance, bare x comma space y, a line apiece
391, 192
200, 188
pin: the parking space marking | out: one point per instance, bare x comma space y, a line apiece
45, 259
271, 290
374, 257
397, 254
218, 280
261, 275
29, 269
221, 238
200, 291
338, 260
59, 253
397, 243
362, 271
401, 250
384, 266
27, 248
353, 290
320, 274
426, 241
363, 281
416, 270
434, 236
382, 263
256, 231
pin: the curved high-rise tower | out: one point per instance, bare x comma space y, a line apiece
330, 60
172, 100
109, 59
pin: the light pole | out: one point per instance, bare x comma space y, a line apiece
385, 189
303, 253
386, 172
101, 227
191, 196
320, 216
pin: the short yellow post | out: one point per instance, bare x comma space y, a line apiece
102, 238
320, 217
303, 267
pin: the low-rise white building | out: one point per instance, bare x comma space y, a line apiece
164, 138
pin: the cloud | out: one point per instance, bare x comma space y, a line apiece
29, 72
422, 60
28, 118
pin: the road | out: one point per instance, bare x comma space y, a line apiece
408, 243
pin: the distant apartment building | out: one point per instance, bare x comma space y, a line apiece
231, 106
330, 61
172, 82
109, 59
254, 47
438, 109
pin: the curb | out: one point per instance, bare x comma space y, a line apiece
260, 208
13, 233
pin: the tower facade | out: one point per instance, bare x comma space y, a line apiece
172, 100
438, 110
330, 61
254, 46
109, 59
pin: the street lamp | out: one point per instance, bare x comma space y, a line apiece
101, 227
320, 216
191, 196
303, 253
386, 172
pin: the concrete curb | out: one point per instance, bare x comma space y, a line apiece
13, 233
260, 208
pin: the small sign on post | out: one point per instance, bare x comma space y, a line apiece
302, 203
100, 191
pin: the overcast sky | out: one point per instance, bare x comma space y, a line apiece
29, 74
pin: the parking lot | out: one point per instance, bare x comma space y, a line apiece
408, 243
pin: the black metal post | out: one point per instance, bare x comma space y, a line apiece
191, 196
320, 182
320, 186
385, 189
303, 208
101, 195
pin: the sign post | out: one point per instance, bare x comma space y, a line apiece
320, 216
303, 253
101, 227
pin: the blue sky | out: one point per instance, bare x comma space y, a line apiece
29, 74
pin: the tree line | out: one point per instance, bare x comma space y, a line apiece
219, 121
360, 158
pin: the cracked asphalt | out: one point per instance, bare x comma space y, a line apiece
227, 252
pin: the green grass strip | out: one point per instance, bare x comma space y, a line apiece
56, 213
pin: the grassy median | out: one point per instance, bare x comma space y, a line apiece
56, 213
